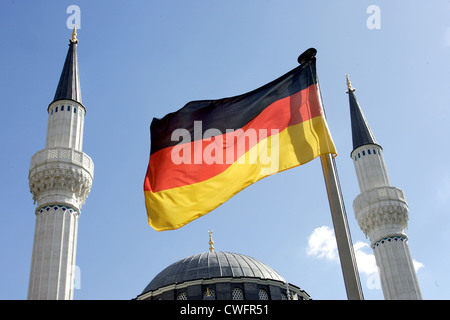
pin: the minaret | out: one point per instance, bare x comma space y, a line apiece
60, 180
381, 211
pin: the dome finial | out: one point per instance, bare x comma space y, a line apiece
211, 242
74, 35
349, 84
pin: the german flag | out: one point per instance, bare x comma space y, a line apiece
206, 152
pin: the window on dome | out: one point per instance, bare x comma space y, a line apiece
209, 294
237, 294
182, 296
262, 294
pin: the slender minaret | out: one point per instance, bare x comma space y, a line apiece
381, 211
60, 180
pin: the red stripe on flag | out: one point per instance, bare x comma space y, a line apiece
163, 173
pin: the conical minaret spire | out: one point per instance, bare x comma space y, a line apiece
69, 82
381, 210
361, 132
60, 179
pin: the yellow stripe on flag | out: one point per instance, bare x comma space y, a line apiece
296, 145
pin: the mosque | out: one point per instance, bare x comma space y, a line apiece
222, 276
60, 179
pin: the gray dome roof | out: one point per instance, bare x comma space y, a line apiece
208, 265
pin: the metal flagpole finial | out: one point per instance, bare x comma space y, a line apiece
74, 35
211, 242
349, 84
307, 56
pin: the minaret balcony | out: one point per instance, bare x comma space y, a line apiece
61, 176
381, 212
65, 155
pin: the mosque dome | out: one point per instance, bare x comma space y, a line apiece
220, 276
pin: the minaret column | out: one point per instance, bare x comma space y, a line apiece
60, 179
65, 125
381, 211
382, 214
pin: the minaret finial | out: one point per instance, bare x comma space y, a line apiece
74, 35
211, 242
349, 84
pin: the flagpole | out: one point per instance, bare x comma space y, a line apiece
338, 214
341, 229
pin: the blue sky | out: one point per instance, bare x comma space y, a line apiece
144, 59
